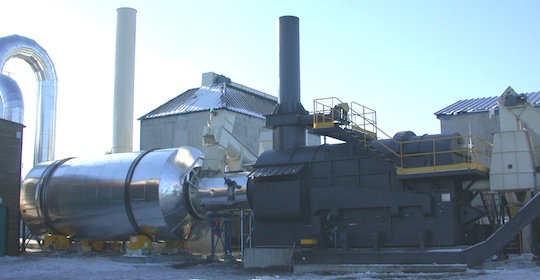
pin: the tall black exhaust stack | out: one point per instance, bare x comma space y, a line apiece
288, 133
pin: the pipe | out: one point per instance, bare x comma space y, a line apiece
16, 46
210, 195
158, 193
289, 64
124, 81
113, 196
292, 135
11, 99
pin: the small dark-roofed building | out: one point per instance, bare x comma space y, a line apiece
476, 116
181, 120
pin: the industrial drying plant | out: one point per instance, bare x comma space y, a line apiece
369, 199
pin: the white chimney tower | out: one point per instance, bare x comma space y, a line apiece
124, 80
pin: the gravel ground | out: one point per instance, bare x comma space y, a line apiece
72, 266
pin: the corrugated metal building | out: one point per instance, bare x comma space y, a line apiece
476, 116
180, 121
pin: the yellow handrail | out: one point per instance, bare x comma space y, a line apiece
474, 152
367, 119
326, 112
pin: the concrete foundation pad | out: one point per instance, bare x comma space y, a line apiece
378, 268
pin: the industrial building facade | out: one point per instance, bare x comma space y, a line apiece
182, 120
476, 116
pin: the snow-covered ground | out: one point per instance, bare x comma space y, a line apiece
40, 266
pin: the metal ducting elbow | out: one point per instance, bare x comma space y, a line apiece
12, 107
16, 46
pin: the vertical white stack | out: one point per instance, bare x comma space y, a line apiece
124, 81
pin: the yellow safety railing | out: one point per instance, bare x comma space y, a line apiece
363, 119
331, 111
467, 153
326, 112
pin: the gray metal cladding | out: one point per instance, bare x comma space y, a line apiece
112, 197
483, 104
217, 96
11, 99
16, 46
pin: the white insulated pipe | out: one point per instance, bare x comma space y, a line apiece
124, 81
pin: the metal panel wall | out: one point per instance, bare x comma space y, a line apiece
3, 230
10, 174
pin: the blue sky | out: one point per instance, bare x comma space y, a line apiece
404, 59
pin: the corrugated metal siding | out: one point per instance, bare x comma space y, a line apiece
218, 97
481, 105
253, 105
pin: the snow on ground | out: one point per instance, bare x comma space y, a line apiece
39, 266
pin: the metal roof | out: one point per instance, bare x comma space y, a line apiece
484, 104
218, 96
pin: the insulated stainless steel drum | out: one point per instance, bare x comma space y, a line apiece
113, 196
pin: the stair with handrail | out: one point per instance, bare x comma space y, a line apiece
357, 124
